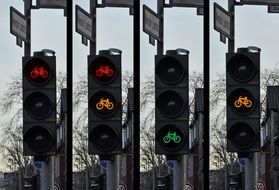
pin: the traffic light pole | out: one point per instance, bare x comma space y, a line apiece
93, 7
45, 178
113, 173
250, 173
178, 173
160, 10
231, 41
27, 12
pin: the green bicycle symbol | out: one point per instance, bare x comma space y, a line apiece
171, 136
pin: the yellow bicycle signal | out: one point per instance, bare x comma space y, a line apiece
105, 103
243, 101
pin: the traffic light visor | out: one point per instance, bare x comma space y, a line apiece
103, 104
170, 70
241, 101
170, 137
241, 68
102, 70
104, 137
37, 71
39, 139
38, 105
170, 104
242, 135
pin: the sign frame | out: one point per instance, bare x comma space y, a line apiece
259, 2
78, 8
270, 8
146, 8
188, 3
119, 4
23, 38
40, 5
230, 35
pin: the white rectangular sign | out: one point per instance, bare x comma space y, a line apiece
273, 9
83, 23
151, 23
52, 3
187, 3
119, 3
222, 21
260, 2
18, 24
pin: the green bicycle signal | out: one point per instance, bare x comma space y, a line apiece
171, 136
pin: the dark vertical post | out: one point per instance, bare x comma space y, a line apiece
160, 11
68, 119
93, 13
27, 13
231, 41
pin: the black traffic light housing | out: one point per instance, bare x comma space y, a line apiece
243, 100
171, 103
104, 103
39, 104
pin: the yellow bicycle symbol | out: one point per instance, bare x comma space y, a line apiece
104, 103
243, 101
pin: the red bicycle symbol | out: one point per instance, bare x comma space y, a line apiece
104, 70
39, 71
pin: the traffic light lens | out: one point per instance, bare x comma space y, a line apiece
242, 135
104, 138
103, 70
103, 104
39, 139
38, 105
241, 68
170, 70
170, 104
170, 137
37, 71
241, 101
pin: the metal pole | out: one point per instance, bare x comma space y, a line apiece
27, 13
93, 12
45, 177
250, 173
160, 10
112, 174
178, 173
231, 41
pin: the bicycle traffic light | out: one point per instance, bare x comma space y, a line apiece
171, 103
243, 101
39, 105
104, 103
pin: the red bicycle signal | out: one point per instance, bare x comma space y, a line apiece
39, 71
104, 70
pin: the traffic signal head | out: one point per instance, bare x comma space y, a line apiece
39, 105
104, 104
243, 101
171, 104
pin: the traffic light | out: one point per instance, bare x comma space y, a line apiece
171, 103
39, 104
104, 103
243, 101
